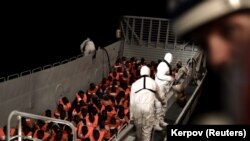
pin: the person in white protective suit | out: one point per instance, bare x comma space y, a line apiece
142, 104
164, 79
87, 47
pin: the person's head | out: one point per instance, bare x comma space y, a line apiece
132, 59
142, 60
104, 80
145, 71
86, 139
108, 108
96, 134
81, 93
119, 69
102, 124
60, 107
99, 104
121, 108
113, 121
84, 112
125, 74
82, 103
106, 98
121, 94
179, 64
77, 119
110, 78
104, 115
40, 134
121, 115
91, 118
40, 123
224, 34
63, 114
26, 129
224, 31
168, 57
59, 135
67, 129
65, 100
113, 89
84, 130
114, 82
114, 73
48, 113
91, 86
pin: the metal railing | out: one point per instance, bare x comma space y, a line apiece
153, 32
187, 108
27, 115
191, 100
114, 137
27, 72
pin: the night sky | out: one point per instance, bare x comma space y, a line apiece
37, 34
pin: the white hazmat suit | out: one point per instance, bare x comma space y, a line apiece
164, 80
142, 104
87, 47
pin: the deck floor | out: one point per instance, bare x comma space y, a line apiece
172, 114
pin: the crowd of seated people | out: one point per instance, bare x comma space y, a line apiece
97, 113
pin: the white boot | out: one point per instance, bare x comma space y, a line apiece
163, 124
158, 128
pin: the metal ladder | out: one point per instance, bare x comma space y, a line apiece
28, 115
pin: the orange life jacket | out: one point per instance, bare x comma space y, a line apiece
92, 92
67, 106
2, 134
80, 98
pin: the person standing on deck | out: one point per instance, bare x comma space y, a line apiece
164, 80
144, 92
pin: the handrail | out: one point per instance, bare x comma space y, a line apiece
64, 61
126, 130
150, 18
2, 79
56, 64
22, 114
37, 69
25, 73
13, 76
24, 138
123, 127
119, 131
192, 98
79, 56
112, 138
72, 58
47, 67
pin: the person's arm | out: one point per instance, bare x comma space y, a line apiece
166, 77
157, 93
131, 117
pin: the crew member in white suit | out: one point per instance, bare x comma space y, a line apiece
164, 80
87, 47
142, 104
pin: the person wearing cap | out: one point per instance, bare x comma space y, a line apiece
221, 28
142, 104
